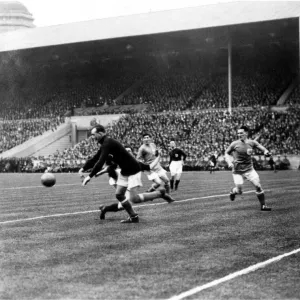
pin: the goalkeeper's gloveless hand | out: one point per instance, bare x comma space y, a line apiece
80, 173
86, 180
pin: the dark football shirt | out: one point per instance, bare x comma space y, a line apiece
176, 154
111, 147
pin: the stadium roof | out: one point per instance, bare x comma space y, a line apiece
150, 23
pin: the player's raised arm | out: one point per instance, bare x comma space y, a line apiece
262, 148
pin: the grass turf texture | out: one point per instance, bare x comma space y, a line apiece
174, 248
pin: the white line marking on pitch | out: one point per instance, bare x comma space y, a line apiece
34, 186
142, 205
232, 275
91, 211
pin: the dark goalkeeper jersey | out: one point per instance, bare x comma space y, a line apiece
110, 147
176, 154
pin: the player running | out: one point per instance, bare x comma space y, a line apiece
128, 165
158, 175
113, 173
242, 166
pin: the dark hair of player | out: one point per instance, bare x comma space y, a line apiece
245, 128
98, 128
146, 134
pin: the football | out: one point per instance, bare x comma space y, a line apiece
48, 179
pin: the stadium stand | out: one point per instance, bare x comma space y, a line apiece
199, 133
177, 93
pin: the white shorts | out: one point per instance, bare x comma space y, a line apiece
157, 174
130, 181
251, 176
112, 181
175, 167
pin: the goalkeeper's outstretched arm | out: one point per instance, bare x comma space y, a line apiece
101, 172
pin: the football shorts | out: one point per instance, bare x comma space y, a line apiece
112, 181
251, 176
155, 175
130, 181
175, 167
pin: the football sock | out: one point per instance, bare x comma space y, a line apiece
176, 184
127, 206
113, 207
261, 198
172, 183
167, 187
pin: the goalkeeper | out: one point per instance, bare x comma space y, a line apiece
242, 166
113, 171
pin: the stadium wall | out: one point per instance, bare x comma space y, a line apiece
60, 144
34, 145
84, 122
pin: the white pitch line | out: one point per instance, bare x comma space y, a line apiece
232, 275
90, 211
49, 216
142, 205
34, 186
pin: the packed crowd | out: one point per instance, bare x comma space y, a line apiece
172, 95
180, 82
198, 133
16, 132
294, 98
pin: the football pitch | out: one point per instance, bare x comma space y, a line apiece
203, 246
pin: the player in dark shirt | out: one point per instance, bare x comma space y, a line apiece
113, 173
272, 164
129, 167
177, 158
212, 163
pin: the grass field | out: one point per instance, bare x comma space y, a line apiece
53, 246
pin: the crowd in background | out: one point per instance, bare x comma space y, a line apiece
199, 134
173, 82
16, 132
180, 96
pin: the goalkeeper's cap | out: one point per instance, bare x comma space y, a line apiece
97, 129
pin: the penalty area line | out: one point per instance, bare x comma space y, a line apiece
135, 206
233, 275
